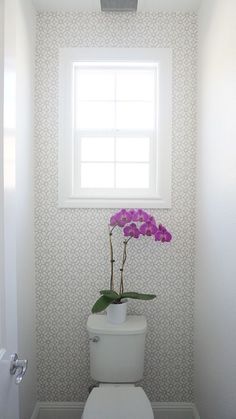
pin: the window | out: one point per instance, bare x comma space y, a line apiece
115, 128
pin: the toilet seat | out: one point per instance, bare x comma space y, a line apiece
119, 401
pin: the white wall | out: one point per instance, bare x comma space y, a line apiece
215, 339
25, 28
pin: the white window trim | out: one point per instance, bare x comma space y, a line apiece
66, 58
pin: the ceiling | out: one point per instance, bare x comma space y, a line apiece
94, 5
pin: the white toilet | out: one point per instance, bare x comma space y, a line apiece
116, 362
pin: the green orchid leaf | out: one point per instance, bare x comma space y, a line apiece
138, 296
110, 294
101, 304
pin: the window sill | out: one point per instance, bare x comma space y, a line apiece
114, 203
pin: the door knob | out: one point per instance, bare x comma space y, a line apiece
18, 367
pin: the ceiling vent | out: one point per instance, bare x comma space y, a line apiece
119, 5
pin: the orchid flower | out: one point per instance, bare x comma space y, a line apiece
162, 234
141, 216
132, 231
148, 229
121, 218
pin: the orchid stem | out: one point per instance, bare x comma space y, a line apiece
111, 259
123, 265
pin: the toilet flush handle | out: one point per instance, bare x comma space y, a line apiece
95, 339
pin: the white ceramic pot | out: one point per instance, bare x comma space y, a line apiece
116, 313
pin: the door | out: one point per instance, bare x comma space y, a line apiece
9, 398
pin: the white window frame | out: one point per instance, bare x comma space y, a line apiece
161, 197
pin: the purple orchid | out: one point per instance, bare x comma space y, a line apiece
141, 216
162, 234
134, 222
121, 218
124, 217
132, 231
148, 228
152, 219
133, 214
113, 220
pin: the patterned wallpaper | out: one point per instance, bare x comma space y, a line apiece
72, 261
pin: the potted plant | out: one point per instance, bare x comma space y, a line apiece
134, 224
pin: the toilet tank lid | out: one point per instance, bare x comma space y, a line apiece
134, 325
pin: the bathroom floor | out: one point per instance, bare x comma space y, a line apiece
74, 414
174, 415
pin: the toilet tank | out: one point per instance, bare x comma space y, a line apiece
116, 351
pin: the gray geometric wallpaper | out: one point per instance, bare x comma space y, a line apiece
72, 251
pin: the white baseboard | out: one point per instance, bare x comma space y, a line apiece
74, 410
174, 410
59, 410
35, 414
195, 412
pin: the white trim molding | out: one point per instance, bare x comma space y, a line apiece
74, 410
195, 412
35, 414
71, 193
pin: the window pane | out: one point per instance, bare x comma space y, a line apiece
132, 149
97, 149
95, 84
132, 175
135, 115
97, 175
135, 85
95, 115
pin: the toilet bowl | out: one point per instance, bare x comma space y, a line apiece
118, 402
117, 363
